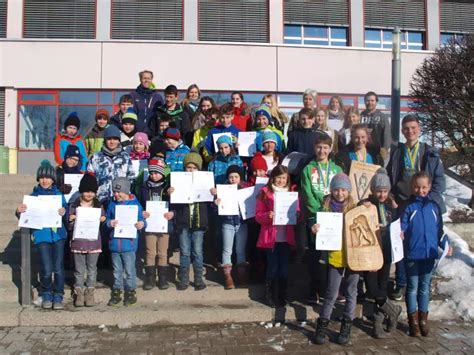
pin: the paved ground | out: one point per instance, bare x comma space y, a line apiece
251, 338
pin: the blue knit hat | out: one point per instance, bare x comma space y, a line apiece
112, 132
224, 140
269, 136
72, 151
341, 181
265, 111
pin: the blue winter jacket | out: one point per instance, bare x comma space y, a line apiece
209, 143
49, 235
220, 164
145, 104
422, 225
123, 245
174, 158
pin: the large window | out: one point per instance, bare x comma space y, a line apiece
380, 38
315, 35
446, 37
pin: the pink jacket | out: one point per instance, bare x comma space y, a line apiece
267, 236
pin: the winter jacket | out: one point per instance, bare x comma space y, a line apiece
116, 120
343, 158
85, 245
183, 218
422, 225
220, 164
49, 235
145, 104
181, 119
379, 125
60, 145
174, 158
280, 146
123, 245
268, 231
199, 140
302, 140
209, 144
126, 140
313, 187
94, 140
150, 191
242, 118
430, 163
107, 167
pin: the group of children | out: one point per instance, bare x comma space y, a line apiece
322, 186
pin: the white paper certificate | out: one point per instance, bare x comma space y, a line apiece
182, 182
138, 166
203, 182
247, 201
330, 232
247, 145
51, 206
87, 223
396, 241
260, 182
32, 217
74, 180
127, 216
157, 222
228, 206
216, 136
286, 205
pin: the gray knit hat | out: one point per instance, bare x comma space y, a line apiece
121, 184
341, 181
380, 180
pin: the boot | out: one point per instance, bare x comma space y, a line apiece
423, 319
242, 272
282, 291
228, 282
115, 297
392, 312
345, 333
130, 298
413, 324
269, 293
321, 330
150, 276
183, 278
78, 297
89, 297
198, 279
162, 278
379, 332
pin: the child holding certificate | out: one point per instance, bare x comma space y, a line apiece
123, 248
86, 249
339, 200
223, 159
276, 240
50, 241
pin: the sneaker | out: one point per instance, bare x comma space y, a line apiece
58, 302
115, 297
130, 298
47, 301
397, 294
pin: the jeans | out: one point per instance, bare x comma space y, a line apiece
277, 261
229, 234
85, 263
52, 262
400, 274
190, 244
419, 284
124, 262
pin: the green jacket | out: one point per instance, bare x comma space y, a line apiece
94, 140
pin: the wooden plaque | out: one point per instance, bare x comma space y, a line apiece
360, 176
364, 252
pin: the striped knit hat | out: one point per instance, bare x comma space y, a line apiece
156, 166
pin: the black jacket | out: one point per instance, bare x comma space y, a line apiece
181, 120
302, 140
183, 216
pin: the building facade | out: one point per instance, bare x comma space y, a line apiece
80, 55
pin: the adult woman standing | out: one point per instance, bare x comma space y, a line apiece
351, 118
191, 102
278, 117
242, 118
336, 113
310, 100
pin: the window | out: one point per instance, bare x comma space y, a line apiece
315, 35
445, 37
379, 38
3, 18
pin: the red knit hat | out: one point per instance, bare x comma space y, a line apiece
258, 162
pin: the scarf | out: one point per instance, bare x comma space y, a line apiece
74, 170
139, 156
336, 206
112, 153
279, 189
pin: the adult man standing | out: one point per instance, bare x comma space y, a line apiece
378, 124
145, 99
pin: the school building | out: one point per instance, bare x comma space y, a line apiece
80, 55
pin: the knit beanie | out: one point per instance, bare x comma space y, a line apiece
46, 170
265, 111
121, 184
258, 162
193, 157
156, 166
112, 132
235, 169
88, 184
102, 112
341, 181
224, 140
72, 151
72, 120
141, 137
269, 136
172, 133
130, 116
380, 180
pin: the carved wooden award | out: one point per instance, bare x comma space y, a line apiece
364, 252
360, 176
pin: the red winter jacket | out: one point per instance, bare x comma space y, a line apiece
242, 118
